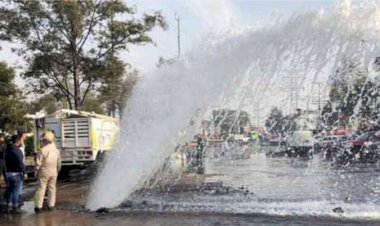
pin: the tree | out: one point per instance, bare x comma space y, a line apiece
12, 108
93, 104
279, 124
50, 104
274, 121
129, 82
65, 42
47, 103
117, 87
230, 121
349, 95
162, 62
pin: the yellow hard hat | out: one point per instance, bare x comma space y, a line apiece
49, 136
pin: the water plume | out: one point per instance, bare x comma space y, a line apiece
233, 71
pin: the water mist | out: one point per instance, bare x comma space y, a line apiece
233, 71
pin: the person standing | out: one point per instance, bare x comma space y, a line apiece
15, 173
22, 134
3, 168
3, 149
48, 164
199, 155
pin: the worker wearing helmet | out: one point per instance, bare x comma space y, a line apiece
48, 163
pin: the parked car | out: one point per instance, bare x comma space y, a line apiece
328, 141
275, 140
241, 138
359, 141
370, 151
327, 145
352, 150
317, 143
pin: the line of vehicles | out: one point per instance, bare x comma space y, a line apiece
358, 146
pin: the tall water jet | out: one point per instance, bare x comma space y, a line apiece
232, 71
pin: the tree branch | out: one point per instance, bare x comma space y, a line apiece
86, 92
65, 33
90, 27
101, 55
55, 78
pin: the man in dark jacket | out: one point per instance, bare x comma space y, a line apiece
15, 173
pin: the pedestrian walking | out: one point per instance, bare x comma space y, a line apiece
48, 164
15, 174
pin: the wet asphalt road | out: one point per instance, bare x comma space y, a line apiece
275, 191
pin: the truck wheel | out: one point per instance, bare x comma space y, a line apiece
101, 156
64, 173
100, 159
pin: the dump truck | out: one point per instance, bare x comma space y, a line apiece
82, 137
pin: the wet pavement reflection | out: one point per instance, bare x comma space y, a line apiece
245, 186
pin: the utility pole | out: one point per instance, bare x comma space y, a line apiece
258, 114
319, 103
293, 92
178, 19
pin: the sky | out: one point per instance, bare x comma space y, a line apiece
197, 19
201, 17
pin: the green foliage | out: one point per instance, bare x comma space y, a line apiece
129, 82
352, 95
230, 121
51, 104
117, 86
7, 75
279, 124
66, 43
29, 145
162, 62
93, 104
12, 108
48, 103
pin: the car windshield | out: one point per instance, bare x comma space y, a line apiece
363, 136
375, 138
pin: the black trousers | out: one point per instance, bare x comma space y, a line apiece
3, 170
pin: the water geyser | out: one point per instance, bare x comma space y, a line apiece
233, 70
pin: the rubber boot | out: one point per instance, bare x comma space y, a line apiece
37, 210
